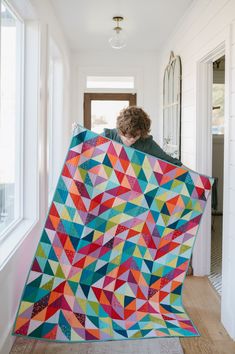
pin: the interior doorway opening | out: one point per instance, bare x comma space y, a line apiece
217, 124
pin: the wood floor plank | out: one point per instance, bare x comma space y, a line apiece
203, 306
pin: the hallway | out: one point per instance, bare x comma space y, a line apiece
58, 66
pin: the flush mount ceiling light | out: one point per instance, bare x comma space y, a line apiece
118, 40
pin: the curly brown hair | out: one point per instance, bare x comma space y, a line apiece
133, 120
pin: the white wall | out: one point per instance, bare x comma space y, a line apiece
206, 25
143, 65
21, 248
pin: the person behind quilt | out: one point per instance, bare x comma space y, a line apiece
132, 129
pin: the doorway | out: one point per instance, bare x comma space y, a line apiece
204, 152
101, 109
218, 86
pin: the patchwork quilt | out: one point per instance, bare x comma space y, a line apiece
115, 248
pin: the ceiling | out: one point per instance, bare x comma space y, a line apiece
88, 24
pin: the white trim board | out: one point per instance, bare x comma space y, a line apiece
202, 252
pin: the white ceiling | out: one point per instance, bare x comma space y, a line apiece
88, 24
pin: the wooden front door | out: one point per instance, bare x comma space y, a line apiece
101, 109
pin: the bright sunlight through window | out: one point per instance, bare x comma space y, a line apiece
10, 121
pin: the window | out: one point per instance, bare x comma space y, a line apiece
218, 96
172, 107
11, 121
218, 109
113, 82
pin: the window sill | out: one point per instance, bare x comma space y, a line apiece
14, 239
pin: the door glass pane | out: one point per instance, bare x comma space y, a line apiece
104, 114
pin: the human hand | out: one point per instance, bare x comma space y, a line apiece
74, 126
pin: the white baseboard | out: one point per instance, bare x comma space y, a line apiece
7, 342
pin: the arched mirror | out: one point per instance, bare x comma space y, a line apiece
172, 107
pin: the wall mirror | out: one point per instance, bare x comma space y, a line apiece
172, 107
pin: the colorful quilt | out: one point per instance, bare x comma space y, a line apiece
115, 248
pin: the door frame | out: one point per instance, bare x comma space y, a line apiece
88, 97
221, 45
202, 250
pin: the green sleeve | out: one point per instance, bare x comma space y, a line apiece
105, 133
157, 151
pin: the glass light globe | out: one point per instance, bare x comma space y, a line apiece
118, 40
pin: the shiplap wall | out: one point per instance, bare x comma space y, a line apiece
205, 26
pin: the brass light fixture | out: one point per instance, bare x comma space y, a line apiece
118, 40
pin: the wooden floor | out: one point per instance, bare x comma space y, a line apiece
201, 303
203, 306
